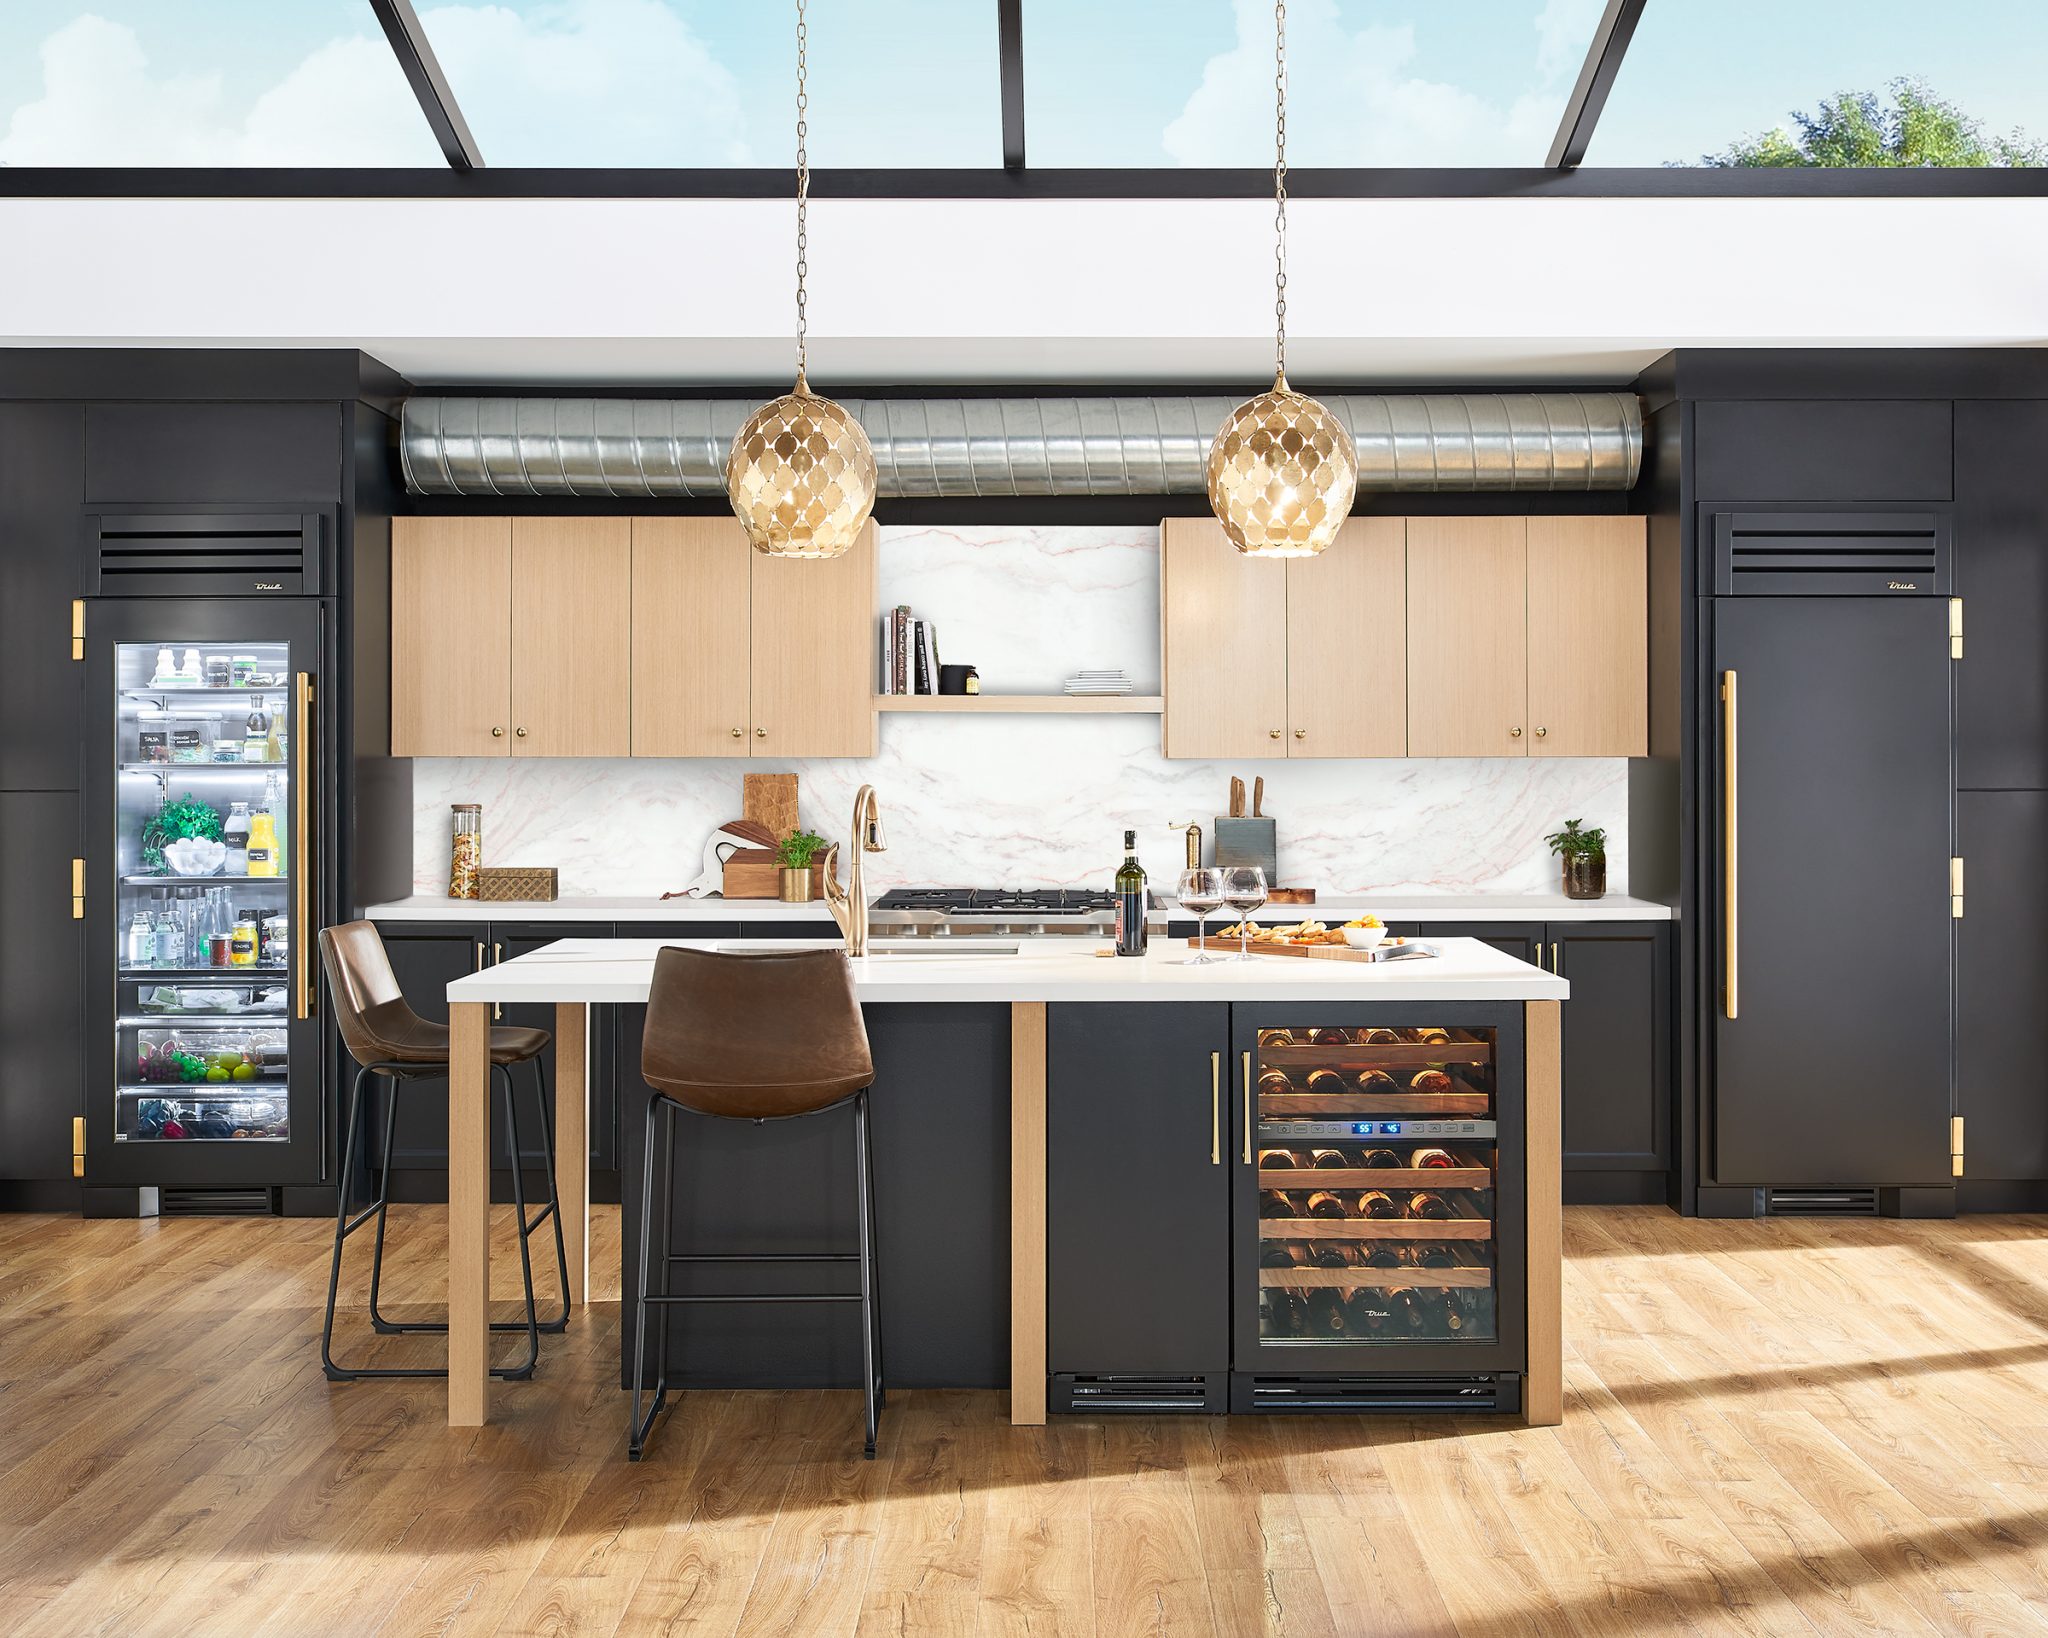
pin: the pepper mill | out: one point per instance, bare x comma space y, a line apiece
1194, 859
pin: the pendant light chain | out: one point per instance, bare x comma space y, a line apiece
803, 187
1279, 190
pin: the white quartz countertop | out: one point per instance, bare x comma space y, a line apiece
1445, 907
1052, 968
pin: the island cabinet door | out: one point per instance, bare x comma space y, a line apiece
1378, 1205
1138, 1203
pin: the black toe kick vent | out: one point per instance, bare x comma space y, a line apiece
215, 1203
1820, 1202
1137, 1395
1407, 1395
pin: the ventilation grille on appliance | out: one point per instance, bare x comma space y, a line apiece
1824, 554
1820, 1202
1147, 1395
232, 555
1414, 1394
214, 1203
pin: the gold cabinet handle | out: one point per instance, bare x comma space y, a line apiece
519, 733
1301, 733
1215, 1109
1731, 854
1247, 1108
1272, 733
497, 733
78, 1147
497, 955
1540, 732
300, 860
78, 890
760, 733
78, 641
1553, 961
1514, 733
736, 734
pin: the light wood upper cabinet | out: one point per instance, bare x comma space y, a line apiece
572, 661
1589, 663
815, 653
1468, 626
1347, 646
692, 638
451, 637
1223, 644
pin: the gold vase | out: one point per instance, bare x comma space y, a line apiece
795, 885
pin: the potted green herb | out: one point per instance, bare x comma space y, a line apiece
794, 854
1584, 853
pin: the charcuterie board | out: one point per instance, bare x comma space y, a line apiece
1412, 949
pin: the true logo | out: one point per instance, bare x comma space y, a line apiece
1901, 585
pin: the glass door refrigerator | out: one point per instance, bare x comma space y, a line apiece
203, 765
1378, 1252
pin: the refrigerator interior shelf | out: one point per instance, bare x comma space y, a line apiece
245, 691
166, 769
1382, 1279
195, 881
255, 1018
266, 1086
270, 973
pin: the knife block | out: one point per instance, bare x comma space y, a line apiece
1247, 842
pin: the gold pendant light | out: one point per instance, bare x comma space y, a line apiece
801, 475
1282, 471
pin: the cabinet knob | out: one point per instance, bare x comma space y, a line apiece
1540, 732
760, 733
735, 733
521, 732
1514, 733
1272, 733
497, 733
1301, 733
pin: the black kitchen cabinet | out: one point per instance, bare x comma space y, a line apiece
1522, 940
1138, 1190
2001, 968
213, 452
1616, 1045
508, 941
2002, 576
41, 466
1823, 450
41, 985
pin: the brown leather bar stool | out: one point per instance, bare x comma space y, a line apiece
386, 1037
759, 1038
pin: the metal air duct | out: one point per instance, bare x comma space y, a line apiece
675, 448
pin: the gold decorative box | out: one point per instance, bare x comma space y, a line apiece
531, 882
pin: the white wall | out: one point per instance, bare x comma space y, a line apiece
1033, 801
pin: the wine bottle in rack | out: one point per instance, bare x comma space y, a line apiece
1274, 1254
1431, 1160
1328, 1038
1276, 1160
1282, 1313
1432, 1082
1276, 1037
1428, 1204
1408, 1312
1327, 1082
1383, 1257
1326, 1302
1274, 1082
1382, 1160
1377, 1203
1329, 1160
1366, 1313
1382, 1037
1375, 1081
1325, 1204
1272, 1203
1450, 1307
1433, 1036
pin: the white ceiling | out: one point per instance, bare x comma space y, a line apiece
1043, 291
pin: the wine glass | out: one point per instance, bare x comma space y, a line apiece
1244, 890
1202, 892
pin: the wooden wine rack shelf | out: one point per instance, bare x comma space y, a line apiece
1361, 1055
1375, 1228
1307, 1179
1421, 1105
1382, 1279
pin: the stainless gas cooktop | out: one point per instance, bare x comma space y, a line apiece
1037, 909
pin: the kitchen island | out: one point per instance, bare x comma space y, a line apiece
981, 1057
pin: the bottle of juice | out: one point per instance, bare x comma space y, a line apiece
262, 844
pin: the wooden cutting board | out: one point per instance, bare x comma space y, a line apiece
770, 799
1313, 952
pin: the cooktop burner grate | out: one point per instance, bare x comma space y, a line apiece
993, 901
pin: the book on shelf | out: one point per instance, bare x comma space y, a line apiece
899, 649
925, 663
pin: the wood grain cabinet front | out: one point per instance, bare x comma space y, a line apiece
572, 685
692, 682
451, 636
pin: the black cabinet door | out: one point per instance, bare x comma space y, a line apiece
1815, 450
2001, 976
518, 939
1522, 940
426, 958
41, 477
1138, 1188
42, 1003
2002, 577
213, 452
1617, 1046
1835, 1071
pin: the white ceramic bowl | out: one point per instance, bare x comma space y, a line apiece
1364, 938
195, 856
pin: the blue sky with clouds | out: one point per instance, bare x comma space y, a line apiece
910, 82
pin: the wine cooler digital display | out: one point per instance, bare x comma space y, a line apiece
1376, 1174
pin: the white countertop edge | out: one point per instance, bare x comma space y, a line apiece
1063, 969
1465, 907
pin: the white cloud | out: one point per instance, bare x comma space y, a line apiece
585, 82
1353, 100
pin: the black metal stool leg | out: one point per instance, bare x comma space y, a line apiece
867, 1132
352, 1133
377, 1320
521, 1372
869, 1373
553, 1208
638, 1427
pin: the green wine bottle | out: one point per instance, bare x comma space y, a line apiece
1130, 900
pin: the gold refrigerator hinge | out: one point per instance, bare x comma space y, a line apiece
1955, 1145
1955, 888
1955, 628
78, 1146
78, 628
78, 890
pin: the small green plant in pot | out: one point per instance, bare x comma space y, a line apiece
794, 855
1584, 853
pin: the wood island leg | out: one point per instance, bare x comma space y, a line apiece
572, 1140
1543, 1387
1027, 1213
469, 1214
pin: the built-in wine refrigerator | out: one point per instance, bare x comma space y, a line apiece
1377, 1211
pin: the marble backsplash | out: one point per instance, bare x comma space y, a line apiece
1034, 800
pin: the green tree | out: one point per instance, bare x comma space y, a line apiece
1915, 127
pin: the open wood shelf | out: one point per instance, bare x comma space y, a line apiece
1148, 705
1307, 1179
1420, 1105
1376, 1228
1383, 1279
